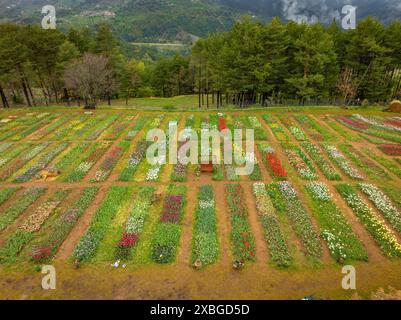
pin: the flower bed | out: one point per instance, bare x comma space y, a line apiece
5, 146
97, 131
277, 130
96, 152
393, 122
301, 163
335, 229
41, 163
348, 135
205, 242
313, 128
222, 124
383, 203
274, 165
377, 123
254, 123
369, 167
372, 127
256, 173
135, 223
342, 162
116, 129
6, 193
167, 235
391, 149
316, 154
8, 155
44, 132
86, 127
35, 220
110, 162
243, 241
70, 128
48, 246
387, 163
278, 248
299, 217
18, 207
353, 124
134, 161
21, 161
230, 173
384, 237
21, 134
138, 126
298, 134
25, 233
156, 122
89, 243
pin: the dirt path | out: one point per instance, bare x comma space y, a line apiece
223, 225
262, 255
184, 254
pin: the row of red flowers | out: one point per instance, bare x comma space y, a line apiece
393, 122
391, 149
354, 124
222, 124
172, 209
276, 165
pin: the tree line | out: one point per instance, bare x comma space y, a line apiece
84, 66
278, 63
253, 63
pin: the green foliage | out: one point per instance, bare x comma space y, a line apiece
86, 249
12, 212
205, 243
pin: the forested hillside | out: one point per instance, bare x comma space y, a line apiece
253, 63
176, 20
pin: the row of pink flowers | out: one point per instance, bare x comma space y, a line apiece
172, 209
354, 124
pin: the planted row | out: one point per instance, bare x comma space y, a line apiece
104, 215
205, 243
316, 154
300, 161
167, 234
46, 248
336, 231
384, 237
274, 165
17, 208
383, 203
135, 223
110, 162
342, 162
26, 231
243, 241
299, 217
278, 248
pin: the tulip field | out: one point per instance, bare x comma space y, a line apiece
77, 192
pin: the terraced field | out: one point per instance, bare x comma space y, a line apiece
77, 192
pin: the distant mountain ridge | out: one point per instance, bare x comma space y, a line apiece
170, 20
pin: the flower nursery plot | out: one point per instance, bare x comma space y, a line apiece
77, 192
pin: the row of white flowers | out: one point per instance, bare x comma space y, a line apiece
298, 134
383, 203
342, 162
377, 123
255, 123
320, 191
380, 232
